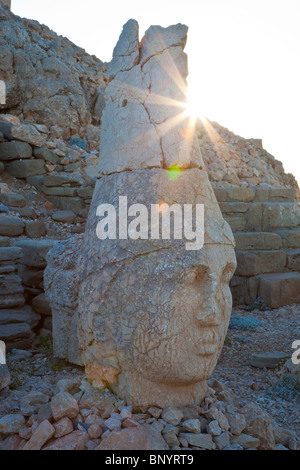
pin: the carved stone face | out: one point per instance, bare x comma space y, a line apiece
180, 338
174, 314
151, 310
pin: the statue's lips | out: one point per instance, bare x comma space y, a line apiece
209, 342
210, 320
208, 350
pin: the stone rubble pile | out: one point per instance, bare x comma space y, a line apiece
49, 80
64, 172
79, 417
232, 160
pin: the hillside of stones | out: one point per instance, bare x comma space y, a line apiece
49, 79
52, 82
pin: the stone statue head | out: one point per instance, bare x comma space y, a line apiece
150, 316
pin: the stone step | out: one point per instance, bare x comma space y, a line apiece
254, 263
258, 241
34, 251
244, 289
256, 194
261, 216
293, 260
290, 237
275, 289
278, 290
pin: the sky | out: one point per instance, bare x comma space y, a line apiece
244, 67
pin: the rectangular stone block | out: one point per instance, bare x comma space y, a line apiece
244, 290
85, 193
241, 194
282, 194
23, 314
59, 191
221, 194
10, 253
25, 168
59, 180
237, 223
278, 290
11, 226
293, 260
253, 263
290, 238
34, 251
45, 154
278, 215
14, 331
14, 150
10, 284
203, 441
254, 218
261, 195
11, 300
252, 213
36, 181
234, 207
74, 204
12, 200
257, 241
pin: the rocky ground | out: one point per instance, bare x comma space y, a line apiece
50, 405
276, 331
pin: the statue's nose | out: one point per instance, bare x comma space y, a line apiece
208, 316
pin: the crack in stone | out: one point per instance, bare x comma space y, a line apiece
151, 122
159, 53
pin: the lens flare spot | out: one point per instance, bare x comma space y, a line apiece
173, 173
162, 207
186, 133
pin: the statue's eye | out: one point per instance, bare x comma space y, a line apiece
190, 277
201, 273
228, 272
195, 275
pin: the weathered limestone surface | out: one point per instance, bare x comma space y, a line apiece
48, 79
146, 316
148, 84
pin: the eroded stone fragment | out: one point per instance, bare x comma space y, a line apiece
148, 84
126, 53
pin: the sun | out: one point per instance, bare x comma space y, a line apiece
193, 105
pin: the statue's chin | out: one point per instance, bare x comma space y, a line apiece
140, 392
193, 369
